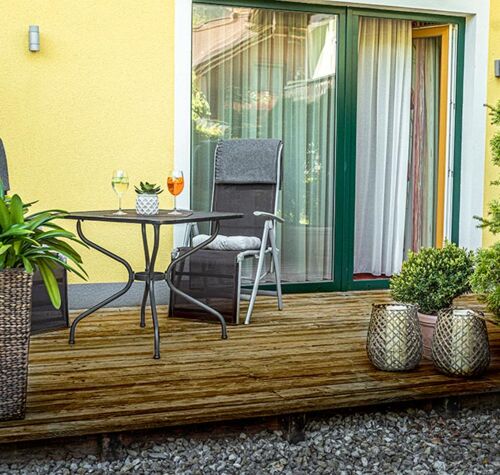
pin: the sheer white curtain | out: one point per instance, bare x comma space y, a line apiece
383, 139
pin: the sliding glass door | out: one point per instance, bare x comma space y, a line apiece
368, 105
402, 139
265, 73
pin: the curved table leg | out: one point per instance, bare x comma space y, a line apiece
168, 278
144, 303
146, 284
125, 289
151, 270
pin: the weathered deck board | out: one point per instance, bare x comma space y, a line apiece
310, 357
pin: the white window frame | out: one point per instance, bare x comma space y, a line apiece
475, 93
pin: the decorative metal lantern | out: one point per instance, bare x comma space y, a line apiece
460, 344
394, 337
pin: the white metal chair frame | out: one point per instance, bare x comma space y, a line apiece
268, 237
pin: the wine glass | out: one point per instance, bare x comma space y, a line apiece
119, 182
175, 185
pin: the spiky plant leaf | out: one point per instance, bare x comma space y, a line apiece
36, 242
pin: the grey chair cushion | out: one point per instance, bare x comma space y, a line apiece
247, 161
229, 243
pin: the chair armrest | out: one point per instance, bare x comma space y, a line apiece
269, 215
188, 234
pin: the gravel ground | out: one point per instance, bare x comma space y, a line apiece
404, 442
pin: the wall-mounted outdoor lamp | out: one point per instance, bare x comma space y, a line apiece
497, 68
34, 38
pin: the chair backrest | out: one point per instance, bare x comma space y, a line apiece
4, 171
247, 178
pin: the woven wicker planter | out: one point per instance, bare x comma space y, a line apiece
394, 340
460, 344
15, 320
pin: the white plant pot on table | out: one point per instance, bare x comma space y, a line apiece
147, 204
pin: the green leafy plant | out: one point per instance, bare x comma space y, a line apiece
486, 279
492, 220
35, 241
432, 278
148, 189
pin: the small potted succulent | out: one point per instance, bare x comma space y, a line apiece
28, 242
431, 279
147, 202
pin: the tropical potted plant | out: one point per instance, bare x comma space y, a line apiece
28, 242
486, 279
147, 202
431, 279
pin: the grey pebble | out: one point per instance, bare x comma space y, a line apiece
412, 442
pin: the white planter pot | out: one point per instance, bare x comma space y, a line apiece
427, 325
147, 204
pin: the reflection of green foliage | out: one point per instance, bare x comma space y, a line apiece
200, 113
199, 105
486, 278
312, 172
205, 13
303, 209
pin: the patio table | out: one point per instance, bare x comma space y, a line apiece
149, 276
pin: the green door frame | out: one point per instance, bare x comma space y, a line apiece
345, 140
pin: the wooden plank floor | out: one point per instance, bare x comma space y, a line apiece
309, 357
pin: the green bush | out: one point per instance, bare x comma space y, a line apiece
432, 278
486, 279
492, 220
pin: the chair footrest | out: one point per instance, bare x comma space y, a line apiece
245, 292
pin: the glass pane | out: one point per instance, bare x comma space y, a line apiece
397, 145
260, 73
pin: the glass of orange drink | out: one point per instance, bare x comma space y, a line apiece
175, 185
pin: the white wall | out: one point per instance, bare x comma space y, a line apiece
475, 79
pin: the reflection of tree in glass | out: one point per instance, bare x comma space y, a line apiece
313, 164
203, 14
251, 99
296, 211
200, 113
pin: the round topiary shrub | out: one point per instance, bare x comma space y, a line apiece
432, 278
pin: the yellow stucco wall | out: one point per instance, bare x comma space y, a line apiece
492, 172
98, 96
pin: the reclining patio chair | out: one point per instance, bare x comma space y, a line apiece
247, 175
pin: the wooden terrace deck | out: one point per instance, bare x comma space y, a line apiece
310, 357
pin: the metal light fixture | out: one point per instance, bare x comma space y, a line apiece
497, 68
34, 38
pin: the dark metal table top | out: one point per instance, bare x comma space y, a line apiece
161, 218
